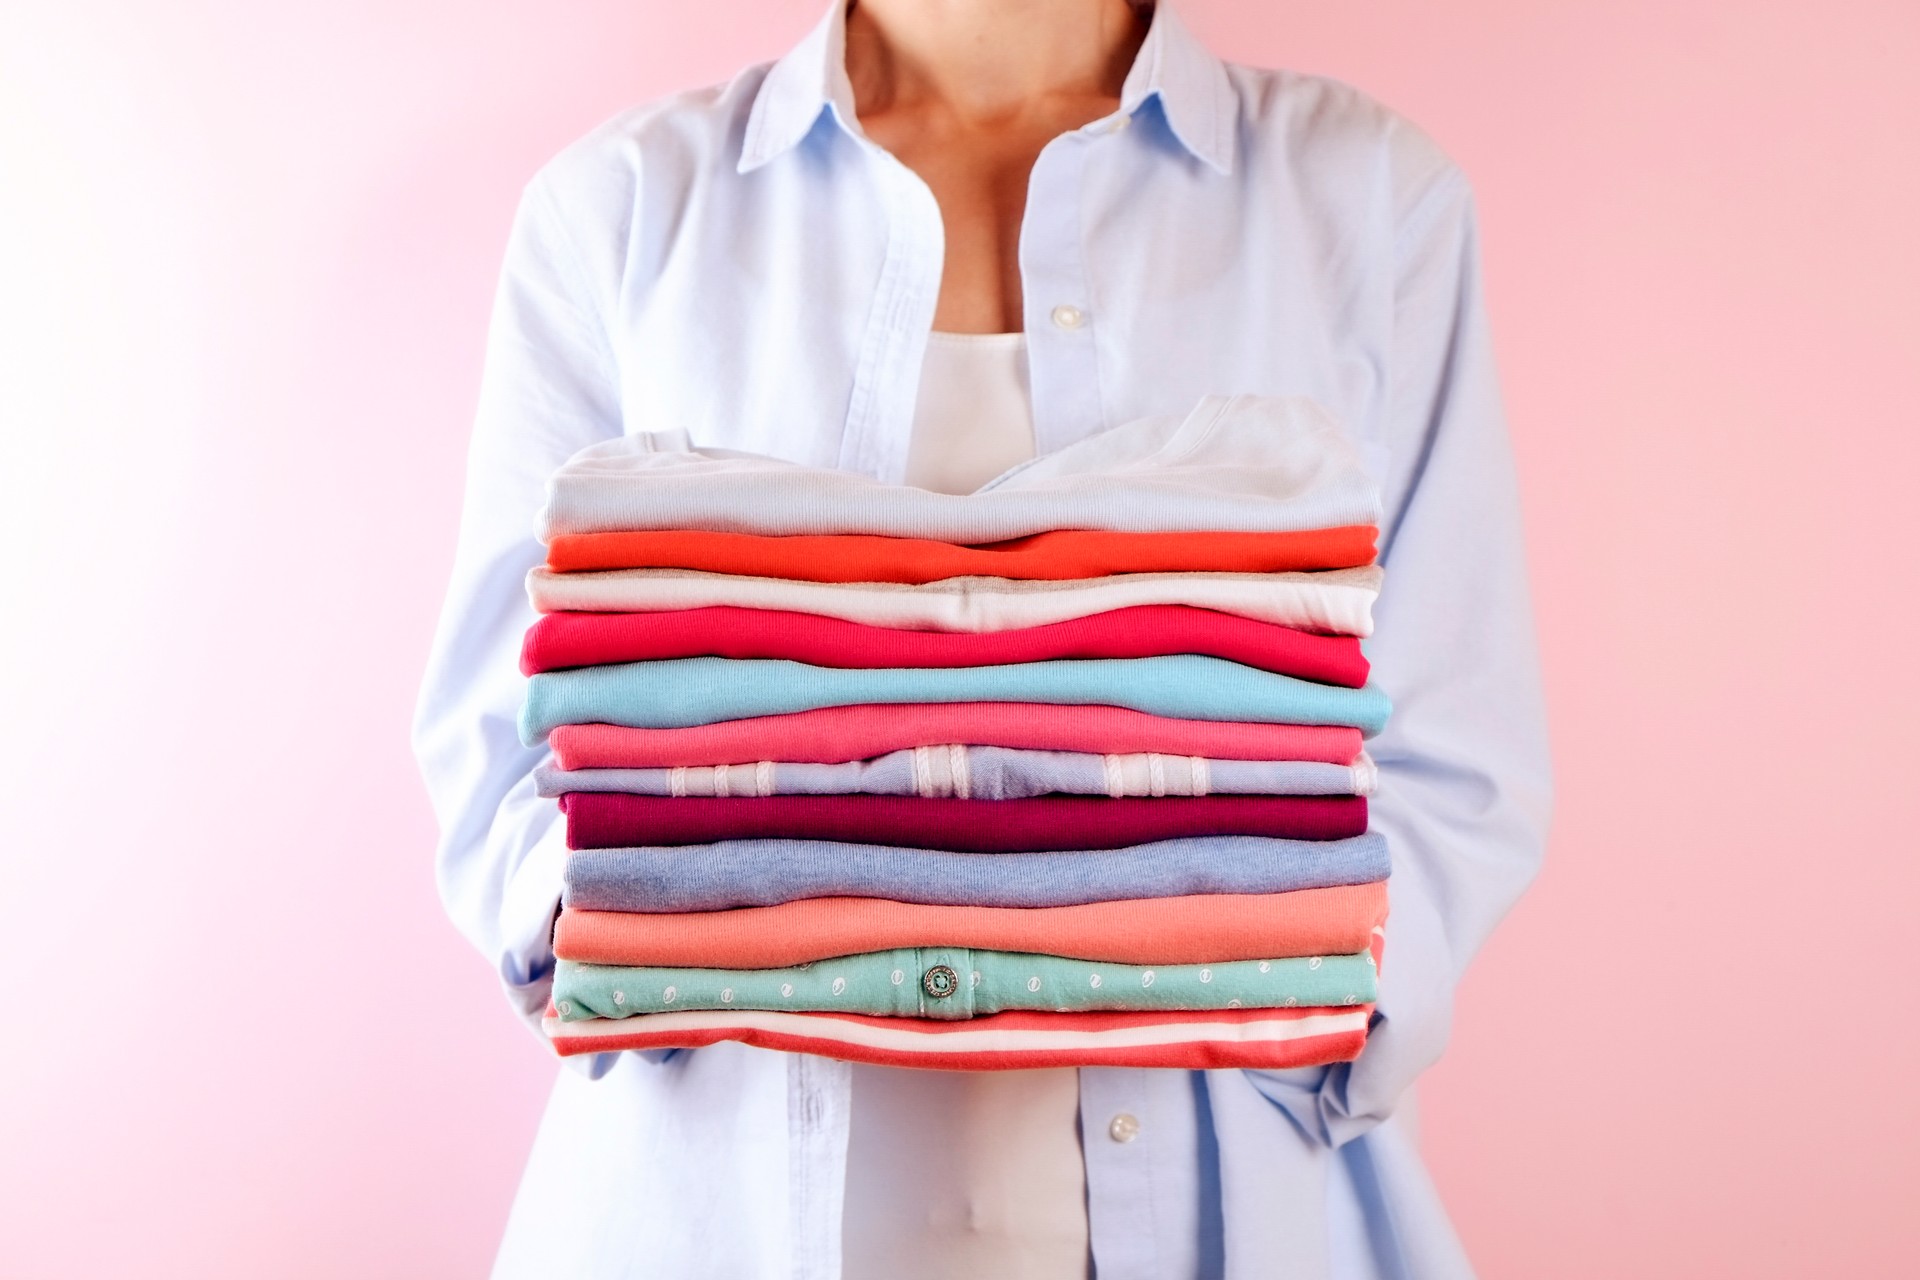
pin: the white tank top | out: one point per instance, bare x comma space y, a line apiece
956, 1175
974, 417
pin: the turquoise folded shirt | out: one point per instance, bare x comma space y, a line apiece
956, 983
682, 692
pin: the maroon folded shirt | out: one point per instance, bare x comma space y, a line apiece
1147, 631
613, 820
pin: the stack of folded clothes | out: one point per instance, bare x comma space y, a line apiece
1068, 771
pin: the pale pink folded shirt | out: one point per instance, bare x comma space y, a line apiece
834, 735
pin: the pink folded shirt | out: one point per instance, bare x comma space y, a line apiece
834, 735
561, 640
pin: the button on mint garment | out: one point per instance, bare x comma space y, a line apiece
681, 692
763, 873
894, 984
980, 773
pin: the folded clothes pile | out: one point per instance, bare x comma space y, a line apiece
1068, 771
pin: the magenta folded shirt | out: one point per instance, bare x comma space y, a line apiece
612, 820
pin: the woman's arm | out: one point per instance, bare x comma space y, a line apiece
550, 388
1464, 786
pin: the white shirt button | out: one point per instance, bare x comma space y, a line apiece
1068, 316
1123, 1128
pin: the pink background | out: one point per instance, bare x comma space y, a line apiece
245, 256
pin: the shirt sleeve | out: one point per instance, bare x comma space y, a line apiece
1464, 790
549, 389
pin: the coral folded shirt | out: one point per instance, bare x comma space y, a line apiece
613, 820
561, 640
1200, 929
1269, 1039
1051, 556
835, 735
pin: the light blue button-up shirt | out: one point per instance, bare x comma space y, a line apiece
743, 263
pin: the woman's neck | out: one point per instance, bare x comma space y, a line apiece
988, 60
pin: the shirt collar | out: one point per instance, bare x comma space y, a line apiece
1183, 74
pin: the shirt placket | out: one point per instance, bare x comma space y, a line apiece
819, 1117
886, 380
1059, 311
944, 983
1140, 1135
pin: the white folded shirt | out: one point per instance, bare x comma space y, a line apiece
1235, 463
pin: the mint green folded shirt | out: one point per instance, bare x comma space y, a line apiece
909, 983
681, 692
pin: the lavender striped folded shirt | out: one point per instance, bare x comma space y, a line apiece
981, 773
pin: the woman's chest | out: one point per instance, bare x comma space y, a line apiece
790, 317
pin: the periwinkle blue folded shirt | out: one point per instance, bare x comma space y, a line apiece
764, 873
683, 692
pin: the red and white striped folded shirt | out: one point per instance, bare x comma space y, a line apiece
1182, 1039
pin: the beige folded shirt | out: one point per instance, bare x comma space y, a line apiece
1339, 601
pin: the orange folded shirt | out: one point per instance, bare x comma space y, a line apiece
1052, 556
1199, 929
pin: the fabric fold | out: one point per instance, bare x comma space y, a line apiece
761, 873
955, 984
683, 692
1052, 556
562, 640
613, 820
1204, 929
835, 735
